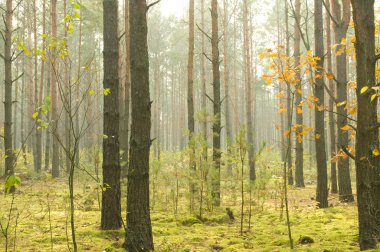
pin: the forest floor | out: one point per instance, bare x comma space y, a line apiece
40, 222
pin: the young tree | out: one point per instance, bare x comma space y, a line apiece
111, 208
367, 135
216, 151
139, 229
319, 88
341, 22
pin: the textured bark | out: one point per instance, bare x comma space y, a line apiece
298, 99
111, 206
248, 91
340, 31
9, 158
67, 100
124, 127
332, 121
367, 138
320, 145
54, 100
190, 102
139, 229
216, 128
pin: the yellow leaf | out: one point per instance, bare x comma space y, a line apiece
376, 152
330, 76
344, 41
35, 115
299, 110
363, 158
317, 136
340, 104
345, 128
364, 89
373, 97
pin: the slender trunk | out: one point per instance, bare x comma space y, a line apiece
367, 136
203, 81
340, 30
332, 128
139, 229
190, 103
111, 207
289, 105
320, 145
216, 151
54, 100
9, 158
248, 91
298, 99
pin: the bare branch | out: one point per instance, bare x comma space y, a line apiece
152, 4
348, 153
204, 33
329, 12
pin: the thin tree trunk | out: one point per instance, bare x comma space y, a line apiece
298, 99
320, 145
203, 81
216, 151
340, 30
9, 158
332, 128
139, 229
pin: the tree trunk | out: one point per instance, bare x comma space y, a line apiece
332, 128
190, 102
340, 30
298, 99
139, 229
203, 82
289, 100
9, 158
320, 145
111, 206
367, 138
216, 151
54, 100
248, 91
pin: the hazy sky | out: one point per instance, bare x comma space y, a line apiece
173, 7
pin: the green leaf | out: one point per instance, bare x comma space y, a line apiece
12, 181
91, 92
76, 6
35, 115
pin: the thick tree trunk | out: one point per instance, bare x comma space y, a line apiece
340, 30
332, 121
298, 99
111, 206
139, 229
248, 91
320, 145
216, 151
367, 136
9, 158
54, 100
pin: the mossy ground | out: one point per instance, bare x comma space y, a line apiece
332, 229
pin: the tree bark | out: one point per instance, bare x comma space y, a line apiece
54, 100
298, 99
248, 91
139, 229
216, 151
111, 206
340, 30
367, 136
319, 88
9, 158
332, 121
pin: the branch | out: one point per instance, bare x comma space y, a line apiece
329, 12
121, 36
348, 153
377, 57
204, 33
207, 57
210, 98
18, 77
152, 4
331, 94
